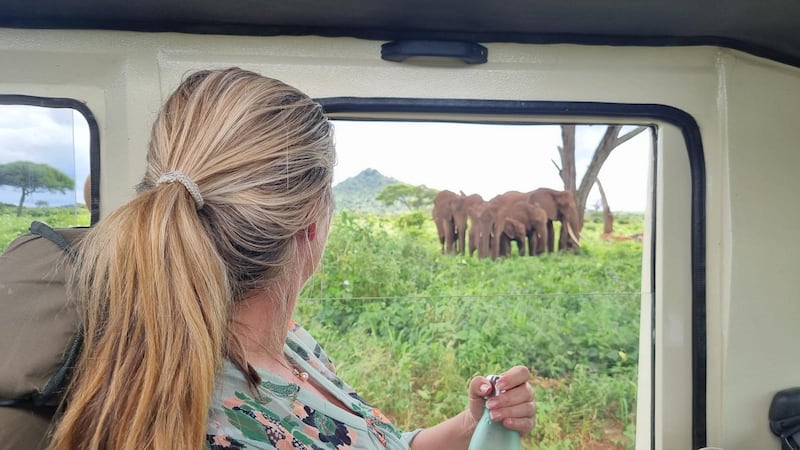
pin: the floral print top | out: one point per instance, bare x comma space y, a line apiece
289, 417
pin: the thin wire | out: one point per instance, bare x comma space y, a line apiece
484, 296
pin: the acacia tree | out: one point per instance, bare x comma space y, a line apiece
32, 177
611, 140
412, 197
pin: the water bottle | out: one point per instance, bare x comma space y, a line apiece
489, 435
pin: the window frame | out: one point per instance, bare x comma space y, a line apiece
94, 136
368, 107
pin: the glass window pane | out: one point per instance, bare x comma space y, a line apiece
44, 166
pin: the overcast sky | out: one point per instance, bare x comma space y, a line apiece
57, 137
489, 159
474, 158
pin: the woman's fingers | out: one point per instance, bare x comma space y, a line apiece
514, 376
523, 426
526, 410
479, 387
516, 406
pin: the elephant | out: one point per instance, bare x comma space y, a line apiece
561, 206
474, 236
444, 219
538, 233
513, 230
503, 203
450, 215
481, 218
515, 206
474, 230
534, 218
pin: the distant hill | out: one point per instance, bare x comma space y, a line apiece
359, 192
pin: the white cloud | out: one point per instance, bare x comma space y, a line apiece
58, 137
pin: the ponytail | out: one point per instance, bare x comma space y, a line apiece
154, 296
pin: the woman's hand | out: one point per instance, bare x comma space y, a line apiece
515, 406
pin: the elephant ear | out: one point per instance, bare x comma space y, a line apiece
565, 199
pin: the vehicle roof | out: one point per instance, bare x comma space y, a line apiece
767, 28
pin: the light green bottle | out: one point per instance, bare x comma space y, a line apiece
490, 435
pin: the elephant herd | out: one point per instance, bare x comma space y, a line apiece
523, 217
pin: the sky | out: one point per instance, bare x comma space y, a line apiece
57, 137
489, 159
474, 158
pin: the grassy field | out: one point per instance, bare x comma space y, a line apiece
12, 225
408, 326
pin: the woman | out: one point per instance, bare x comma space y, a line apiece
188, 292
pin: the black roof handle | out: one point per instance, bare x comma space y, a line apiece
467, 52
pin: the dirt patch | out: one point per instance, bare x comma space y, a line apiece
613, 438
547, 383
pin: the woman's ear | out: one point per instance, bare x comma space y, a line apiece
311, 232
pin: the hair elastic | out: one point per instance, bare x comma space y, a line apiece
176, 175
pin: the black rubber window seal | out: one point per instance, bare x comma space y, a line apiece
94, 136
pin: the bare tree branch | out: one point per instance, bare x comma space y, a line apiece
599, 157
609, 142
627, 136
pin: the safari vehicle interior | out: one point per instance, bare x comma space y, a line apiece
718, 83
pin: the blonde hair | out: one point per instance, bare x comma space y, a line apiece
157, 278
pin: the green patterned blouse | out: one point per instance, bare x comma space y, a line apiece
289, 417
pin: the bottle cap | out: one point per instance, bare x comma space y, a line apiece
493, 379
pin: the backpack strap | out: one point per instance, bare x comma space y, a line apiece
44, 230
59, 378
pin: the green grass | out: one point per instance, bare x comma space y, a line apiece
12, 225
409, 327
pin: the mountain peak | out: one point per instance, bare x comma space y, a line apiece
369, 173
359, 192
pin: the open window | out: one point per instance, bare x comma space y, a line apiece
605, 328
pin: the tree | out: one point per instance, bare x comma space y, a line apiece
611, 140
412, 197
608, 218
31, 177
